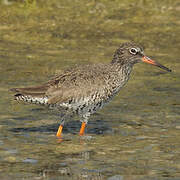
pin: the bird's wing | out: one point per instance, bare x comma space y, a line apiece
37, 91
75, 83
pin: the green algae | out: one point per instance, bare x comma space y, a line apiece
135, 135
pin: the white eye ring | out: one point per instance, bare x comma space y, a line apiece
133, 51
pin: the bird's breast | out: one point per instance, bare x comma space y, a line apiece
99, 96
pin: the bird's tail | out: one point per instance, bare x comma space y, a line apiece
35, 95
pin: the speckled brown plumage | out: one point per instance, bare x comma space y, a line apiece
85, 89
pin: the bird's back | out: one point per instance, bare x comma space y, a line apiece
82, 88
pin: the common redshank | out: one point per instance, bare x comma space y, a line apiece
82, 90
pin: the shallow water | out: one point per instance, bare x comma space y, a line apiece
136, 136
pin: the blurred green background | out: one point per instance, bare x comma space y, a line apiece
134, 137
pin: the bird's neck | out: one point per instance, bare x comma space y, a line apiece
123, 69
122, 73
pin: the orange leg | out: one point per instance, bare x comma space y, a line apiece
58, 134
83, 125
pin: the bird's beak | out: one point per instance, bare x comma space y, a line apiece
150, 61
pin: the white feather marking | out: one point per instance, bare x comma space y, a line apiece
35, 100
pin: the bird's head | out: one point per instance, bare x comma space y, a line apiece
132, 53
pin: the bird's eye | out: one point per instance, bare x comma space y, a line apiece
133, 51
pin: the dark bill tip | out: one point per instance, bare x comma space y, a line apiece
163, 67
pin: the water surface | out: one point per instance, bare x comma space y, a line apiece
136, 136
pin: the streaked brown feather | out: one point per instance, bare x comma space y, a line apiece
36, 89
73, 83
